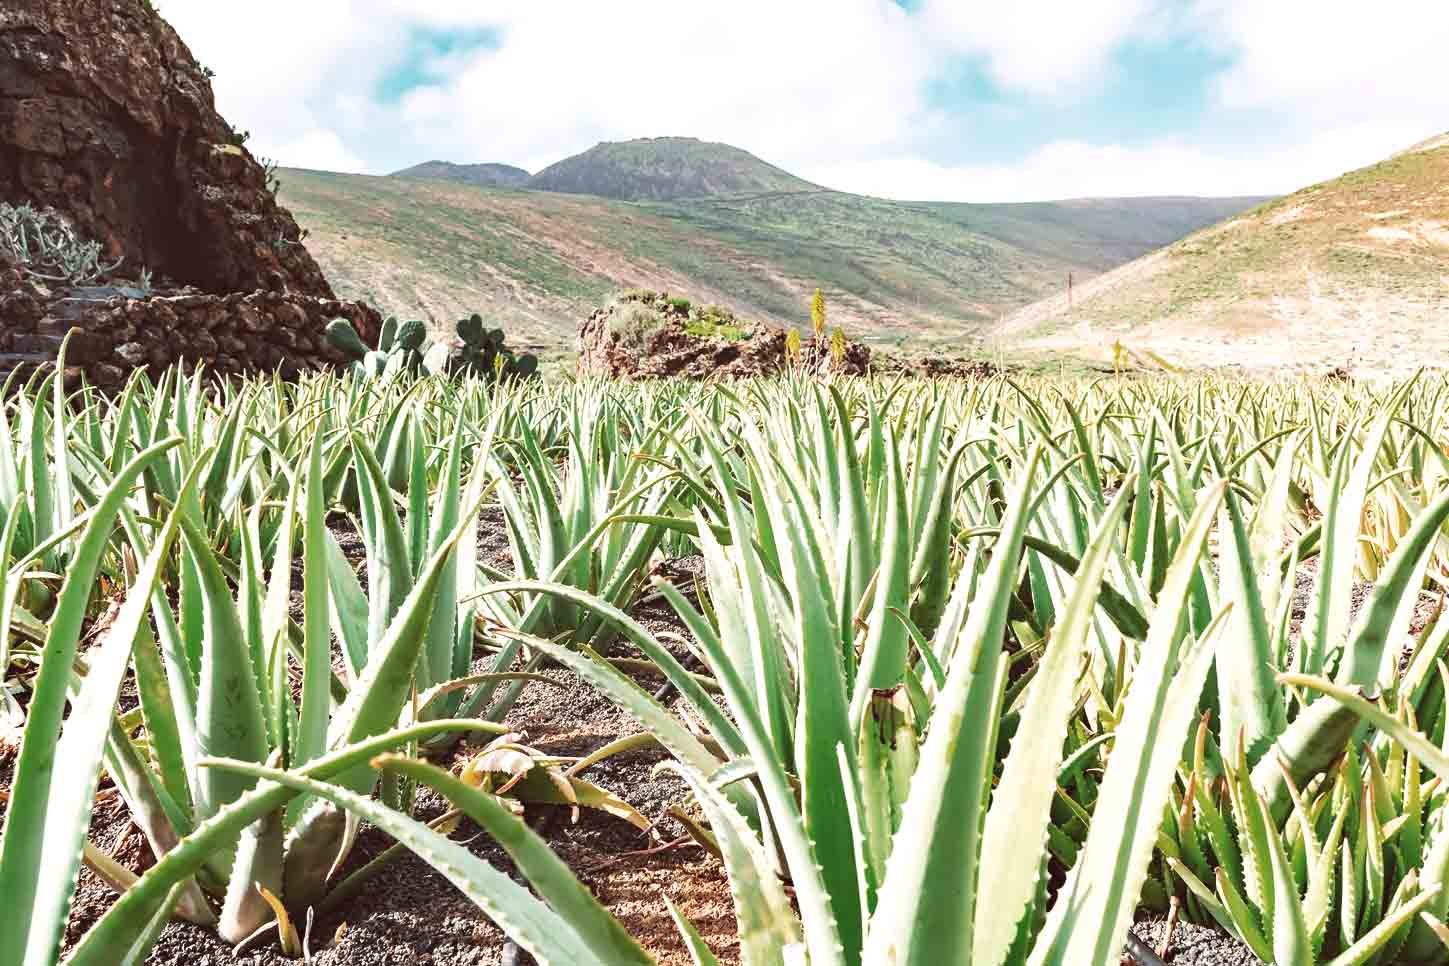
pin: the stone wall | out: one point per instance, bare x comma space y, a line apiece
116, 333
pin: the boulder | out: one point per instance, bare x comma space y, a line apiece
107, 117
648, 335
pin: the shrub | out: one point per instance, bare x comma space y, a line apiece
48, 247
633, 323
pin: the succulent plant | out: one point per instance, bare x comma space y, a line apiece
404, 347
48, 247
345, 338
400, 347
484, 352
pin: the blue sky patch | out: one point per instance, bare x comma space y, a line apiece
427, 51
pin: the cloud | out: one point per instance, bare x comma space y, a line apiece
1078, 169
795, 80
1333, 60
319, 150
790, 80
844, 92
1048, 48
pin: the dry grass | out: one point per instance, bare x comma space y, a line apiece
1351, 272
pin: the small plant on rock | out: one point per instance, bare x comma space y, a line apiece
46, 245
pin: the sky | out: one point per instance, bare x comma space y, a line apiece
950, 100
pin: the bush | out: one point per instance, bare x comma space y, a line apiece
46, 246
633, 323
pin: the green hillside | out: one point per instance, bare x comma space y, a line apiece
665, 169
539, 261
483, 175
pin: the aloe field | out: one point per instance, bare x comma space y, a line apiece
956, 672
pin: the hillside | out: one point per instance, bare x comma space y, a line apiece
482, 175
1351, 271
665, 169
538, 262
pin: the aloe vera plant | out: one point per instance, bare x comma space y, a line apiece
951, 627
858, 841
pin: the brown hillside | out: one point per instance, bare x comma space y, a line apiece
1354, 272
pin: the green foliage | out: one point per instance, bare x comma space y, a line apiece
633, 322
947, 649
635, 315
485, 354
404, 348
44, 244
911, 270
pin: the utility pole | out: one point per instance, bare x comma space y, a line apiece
1070, 280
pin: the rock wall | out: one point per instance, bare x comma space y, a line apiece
672, 352
107, 117
116, 334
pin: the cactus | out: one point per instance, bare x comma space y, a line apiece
470, 330
484, 353
525, 366
399, 347
388, 337
403, 348
411, 336
344, 337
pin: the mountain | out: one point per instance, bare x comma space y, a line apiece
1350, 271
665, 169
537, 262
483, 175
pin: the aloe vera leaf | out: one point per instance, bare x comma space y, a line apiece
693, 941
769, 932
1367, 657
1250, 702
928, 898
1021, 806
124, 921
46, 822
1088, 920
567, 926
316, 705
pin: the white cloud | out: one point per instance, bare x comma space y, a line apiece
1334, 59
836, 90
1076, 169
318, 150
792, 81
1049, 48
789, 80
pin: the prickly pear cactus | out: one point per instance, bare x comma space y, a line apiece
484, 353
403, 348
343, 336
388, 337
411, 336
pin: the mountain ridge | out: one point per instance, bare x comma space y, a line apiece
665, 169
537, 262
487, 175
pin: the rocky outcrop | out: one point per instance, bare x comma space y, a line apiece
933, 367
115, 331
107, 117
644, 335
